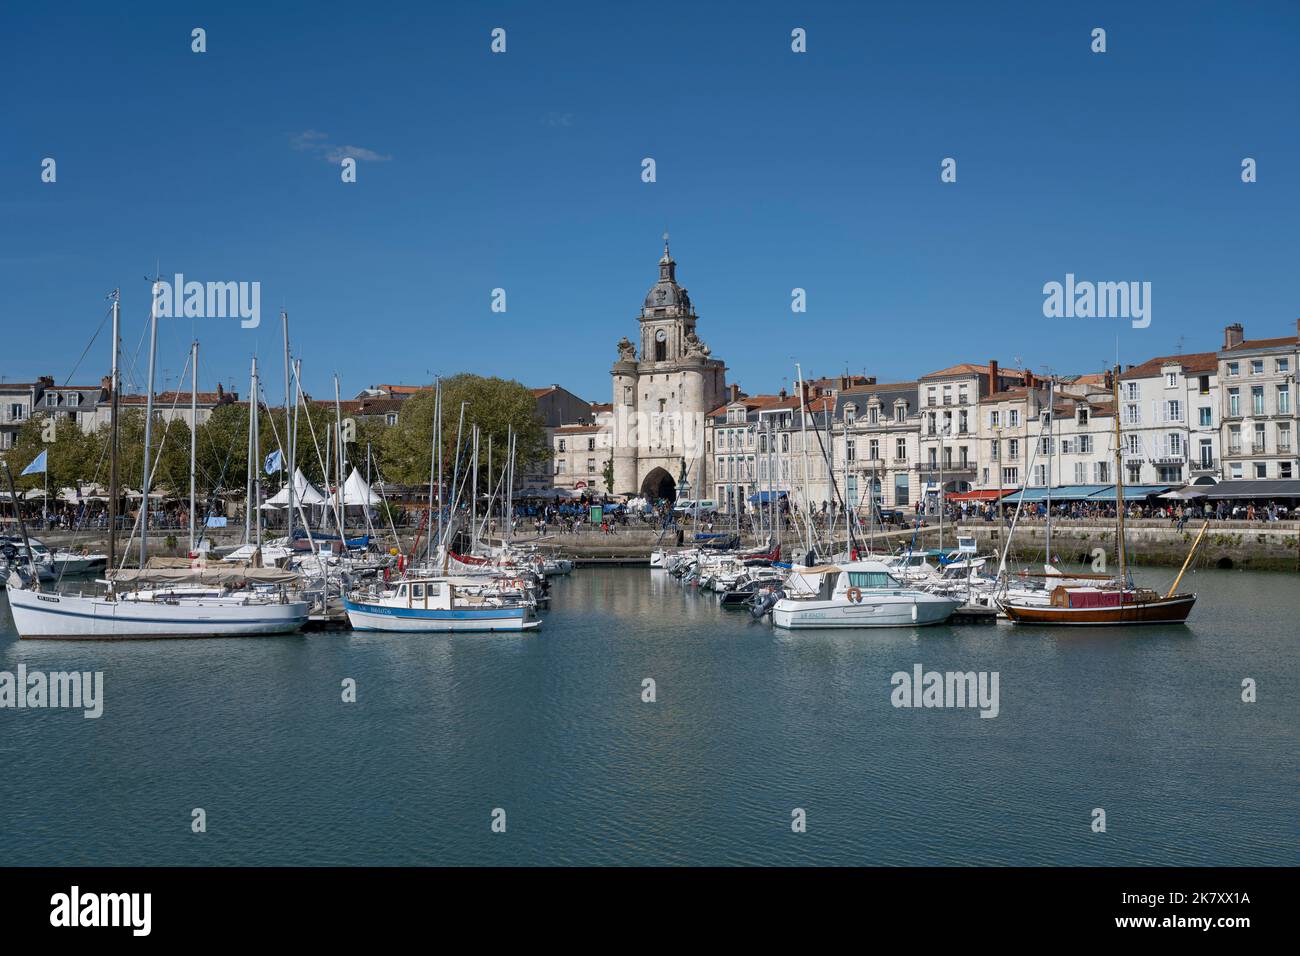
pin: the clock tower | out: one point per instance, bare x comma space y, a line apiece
662, 392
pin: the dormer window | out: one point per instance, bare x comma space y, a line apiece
850, 414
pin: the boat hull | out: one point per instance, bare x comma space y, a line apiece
40, 615
871, 612
377, 617
1172, 610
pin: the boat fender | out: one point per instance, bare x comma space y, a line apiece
855, 595
913, 611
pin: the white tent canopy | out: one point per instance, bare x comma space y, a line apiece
303, 493
357, 492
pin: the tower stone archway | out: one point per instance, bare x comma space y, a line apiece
665, 384
659, 485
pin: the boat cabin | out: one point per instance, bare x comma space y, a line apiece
427, 594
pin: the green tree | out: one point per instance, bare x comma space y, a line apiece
495, 405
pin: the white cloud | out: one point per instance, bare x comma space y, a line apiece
314, 141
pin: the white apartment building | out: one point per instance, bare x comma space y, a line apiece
1257, 387
949, 404
1170, 419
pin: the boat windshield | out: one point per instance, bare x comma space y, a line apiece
872, 579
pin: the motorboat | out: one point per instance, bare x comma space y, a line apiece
856, 594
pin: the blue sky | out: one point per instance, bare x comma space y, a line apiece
522, 171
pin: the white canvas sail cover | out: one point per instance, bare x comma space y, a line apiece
303, 493
357, 492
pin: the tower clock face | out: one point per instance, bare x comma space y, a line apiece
661, 336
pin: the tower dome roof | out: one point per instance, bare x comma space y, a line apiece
666, 293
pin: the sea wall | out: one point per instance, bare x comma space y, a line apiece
1273, 546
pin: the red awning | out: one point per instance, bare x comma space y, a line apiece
979, 495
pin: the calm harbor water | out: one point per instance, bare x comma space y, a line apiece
750, 722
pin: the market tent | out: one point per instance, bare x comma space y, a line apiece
357, 492
304, 492
1255, 488
764, 497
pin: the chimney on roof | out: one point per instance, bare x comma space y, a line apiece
781, 394
220, 392
993, 376
735, 392
46, 380
1029, 379
1110, 380
106, 384
1233, 335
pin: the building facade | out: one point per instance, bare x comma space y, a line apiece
1257, 394
664, 387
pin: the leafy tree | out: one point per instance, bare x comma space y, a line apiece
495, 405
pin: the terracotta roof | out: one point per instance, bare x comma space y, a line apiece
602, 406
971, 368
404, 389
1196, 363
571, 429
751, 402
179, 399
868, 389
1009, 394
1264, 343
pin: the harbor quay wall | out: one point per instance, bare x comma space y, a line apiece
1271, 546
1253, 545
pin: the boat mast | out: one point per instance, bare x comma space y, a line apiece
112, 440
194, 429
148, 429
338, 466
1051, 454
255, 455
288, 426
473, 499
1119, 491
248, 467
435, 465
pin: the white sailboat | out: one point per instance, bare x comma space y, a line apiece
176, 602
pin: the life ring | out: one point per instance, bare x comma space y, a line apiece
854, 595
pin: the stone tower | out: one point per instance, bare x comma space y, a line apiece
662, 392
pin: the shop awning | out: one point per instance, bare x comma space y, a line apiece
985, 495
1131, 492
1254, 488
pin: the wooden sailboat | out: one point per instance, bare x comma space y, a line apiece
1118, 601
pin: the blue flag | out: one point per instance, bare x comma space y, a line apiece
274, 462
36, 467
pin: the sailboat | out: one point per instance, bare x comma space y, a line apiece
178, 602
1118, 601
